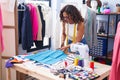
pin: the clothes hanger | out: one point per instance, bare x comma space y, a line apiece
23, 8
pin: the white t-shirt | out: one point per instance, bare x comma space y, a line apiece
70, 28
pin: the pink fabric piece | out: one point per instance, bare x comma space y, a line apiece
34, 20
1, 28
115, 70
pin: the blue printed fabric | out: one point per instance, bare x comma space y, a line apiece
48, 56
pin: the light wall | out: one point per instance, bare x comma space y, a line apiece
111, 3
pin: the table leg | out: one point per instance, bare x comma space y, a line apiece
8, 74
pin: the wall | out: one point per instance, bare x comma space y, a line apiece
112, 3
56, 25
9, 35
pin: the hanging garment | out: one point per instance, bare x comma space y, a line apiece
39, 35
39, 44
42, 20
34, 19
115, 70
20, 20
90, 28
26, 36
1, 28
47, 15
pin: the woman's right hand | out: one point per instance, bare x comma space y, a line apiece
63, 48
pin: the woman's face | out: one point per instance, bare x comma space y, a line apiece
67, 18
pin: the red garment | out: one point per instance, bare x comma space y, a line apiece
115, 70
1, 28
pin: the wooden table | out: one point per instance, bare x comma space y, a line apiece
43, 73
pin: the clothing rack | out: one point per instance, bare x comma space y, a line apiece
45, 5
22, 7
41, 2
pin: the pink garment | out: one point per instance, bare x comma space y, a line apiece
1, 28
39, 36
115, 70
34, 18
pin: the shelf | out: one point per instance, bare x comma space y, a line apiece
93, 55
102, 35
112, 13
105, 35
106, 29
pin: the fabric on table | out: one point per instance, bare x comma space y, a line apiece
48, 56
37, 54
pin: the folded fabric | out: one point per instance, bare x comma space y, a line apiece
13, 60
57, 53
32, 57
48, 57
43, 56
55, 60
8, 64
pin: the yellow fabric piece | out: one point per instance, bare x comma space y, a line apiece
74, 34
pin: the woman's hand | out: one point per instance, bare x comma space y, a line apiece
64, 48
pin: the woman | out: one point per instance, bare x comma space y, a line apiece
74, 31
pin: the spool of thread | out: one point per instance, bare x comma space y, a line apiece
66, 64
81, 63
98, 9
76, 61
92, 65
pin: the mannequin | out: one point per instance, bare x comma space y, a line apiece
99, 3
83, 9
90, 25
94, 5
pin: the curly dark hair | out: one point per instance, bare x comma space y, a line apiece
73, 12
